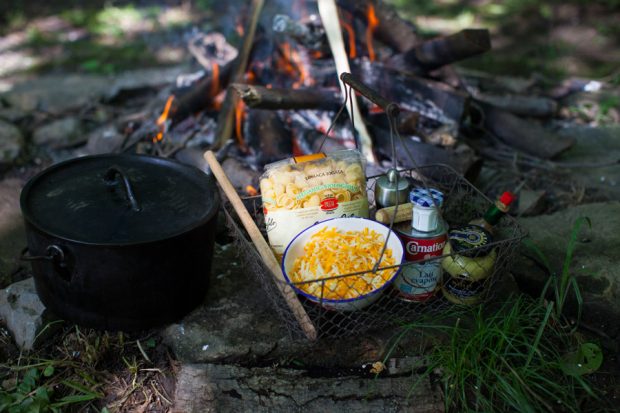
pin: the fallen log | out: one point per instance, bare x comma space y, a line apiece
527, 136
441, 51
229, 388
260, 97
536, 106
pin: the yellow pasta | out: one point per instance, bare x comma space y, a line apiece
331, 252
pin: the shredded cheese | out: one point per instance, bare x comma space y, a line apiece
331, 252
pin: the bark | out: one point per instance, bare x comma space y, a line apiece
521, 105
392, 30
527, 136
225, 388
441, 51
260, 97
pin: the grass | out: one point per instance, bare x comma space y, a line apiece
83, 370
507, 359
521, 356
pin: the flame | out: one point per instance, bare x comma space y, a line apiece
351, 37
161, 121
239, 115
373, 22
215, 80
251, 191
291, 63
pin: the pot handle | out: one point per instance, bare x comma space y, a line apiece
111, 178
52, 252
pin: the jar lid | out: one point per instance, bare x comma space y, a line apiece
389, 181
424, 198
464, 239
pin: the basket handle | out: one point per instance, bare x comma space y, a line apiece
391, 108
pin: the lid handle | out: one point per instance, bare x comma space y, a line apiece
111, 178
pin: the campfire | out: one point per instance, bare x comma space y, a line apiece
275, 96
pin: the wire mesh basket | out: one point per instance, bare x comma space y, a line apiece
462, 204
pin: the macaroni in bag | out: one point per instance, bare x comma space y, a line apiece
298, 192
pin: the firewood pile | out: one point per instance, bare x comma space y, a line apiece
276, 93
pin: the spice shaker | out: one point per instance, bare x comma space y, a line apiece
391, 189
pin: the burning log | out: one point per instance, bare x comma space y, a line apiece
225, 118
412, 92
201, 93
397, 33
310, 34
442, 51
261, 97
267, 137
529, 137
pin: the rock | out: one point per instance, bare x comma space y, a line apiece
23, 312
12, 115
235, 321
595, 260
12, 234
104, 140
224, 388
135, 80
239, 323
11, 143
57, 93
593, 147
531, 202
62, 133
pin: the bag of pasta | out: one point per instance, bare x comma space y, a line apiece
298, 192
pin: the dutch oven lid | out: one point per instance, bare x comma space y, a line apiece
119, 199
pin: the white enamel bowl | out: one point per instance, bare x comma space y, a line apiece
295, 249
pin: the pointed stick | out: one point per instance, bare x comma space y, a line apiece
263, 248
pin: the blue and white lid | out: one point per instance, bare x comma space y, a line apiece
424, 198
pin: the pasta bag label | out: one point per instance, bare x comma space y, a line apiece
298, 195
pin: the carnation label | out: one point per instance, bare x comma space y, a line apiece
419, 282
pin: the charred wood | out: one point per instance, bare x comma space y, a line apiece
201, 94
412, 154
441, 51
225, 118
414, 93
310, 34
267, 138
397, 33
527, 136
261, 97
536, 106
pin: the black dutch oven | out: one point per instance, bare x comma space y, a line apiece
120, 242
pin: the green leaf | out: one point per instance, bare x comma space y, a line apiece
49, 370
150, 343
587, 359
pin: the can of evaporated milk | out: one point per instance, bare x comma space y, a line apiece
426, 239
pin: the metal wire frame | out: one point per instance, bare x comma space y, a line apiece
463, 203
